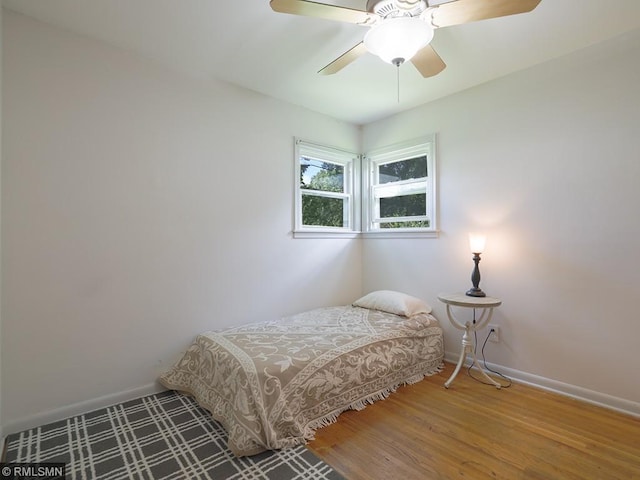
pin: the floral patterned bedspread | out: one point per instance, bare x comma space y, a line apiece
272, 384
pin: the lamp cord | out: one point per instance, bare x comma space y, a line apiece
484, 360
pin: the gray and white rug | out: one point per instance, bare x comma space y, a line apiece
166, 436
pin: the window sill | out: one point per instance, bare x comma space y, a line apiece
324, 234
381, 234
401, 234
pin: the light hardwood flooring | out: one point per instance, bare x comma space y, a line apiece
475, 431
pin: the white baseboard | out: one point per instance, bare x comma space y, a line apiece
590, 396
79, 408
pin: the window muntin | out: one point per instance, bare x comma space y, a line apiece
325, 189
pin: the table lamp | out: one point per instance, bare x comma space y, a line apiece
477, 243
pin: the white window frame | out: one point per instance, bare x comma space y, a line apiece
402, 151
351, 164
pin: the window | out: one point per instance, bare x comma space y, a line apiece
397, 196
400, 193
325, 186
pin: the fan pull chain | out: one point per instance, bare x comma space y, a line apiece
398, 81
397, 62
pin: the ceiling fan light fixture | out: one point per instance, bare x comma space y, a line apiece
396, 40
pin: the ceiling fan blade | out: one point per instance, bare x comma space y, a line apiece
428, 62
344, 60
466, 11
321, 10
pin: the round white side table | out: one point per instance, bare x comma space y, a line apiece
486, 305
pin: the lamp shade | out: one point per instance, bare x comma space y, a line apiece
477, 242
396, 40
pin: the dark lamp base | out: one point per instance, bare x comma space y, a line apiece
475, 292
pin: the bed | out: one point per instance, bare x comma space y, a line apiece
272, 384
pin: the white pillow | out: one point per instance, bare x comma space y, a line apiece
393, 302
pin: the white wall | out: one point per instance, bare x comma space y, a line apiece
139, 208
545, 161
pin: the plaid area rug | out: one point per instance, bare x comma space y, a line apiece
162, 436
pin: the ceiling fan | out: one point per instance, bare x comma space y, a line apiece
400, 30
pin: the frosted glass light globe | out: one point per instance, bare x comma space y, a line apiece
397, 40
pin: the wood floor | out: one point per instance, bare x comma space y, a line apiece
475, 431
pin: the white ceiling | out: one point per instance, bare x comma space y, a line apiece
246, 43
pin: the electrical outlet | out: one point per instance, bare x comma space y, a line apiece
495, 335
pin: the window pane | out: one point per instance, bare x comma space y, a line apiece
413, 224
403, 170
323, 211
403, 206
319, 175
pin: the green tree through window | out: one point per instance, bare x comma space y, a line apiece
323, 177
